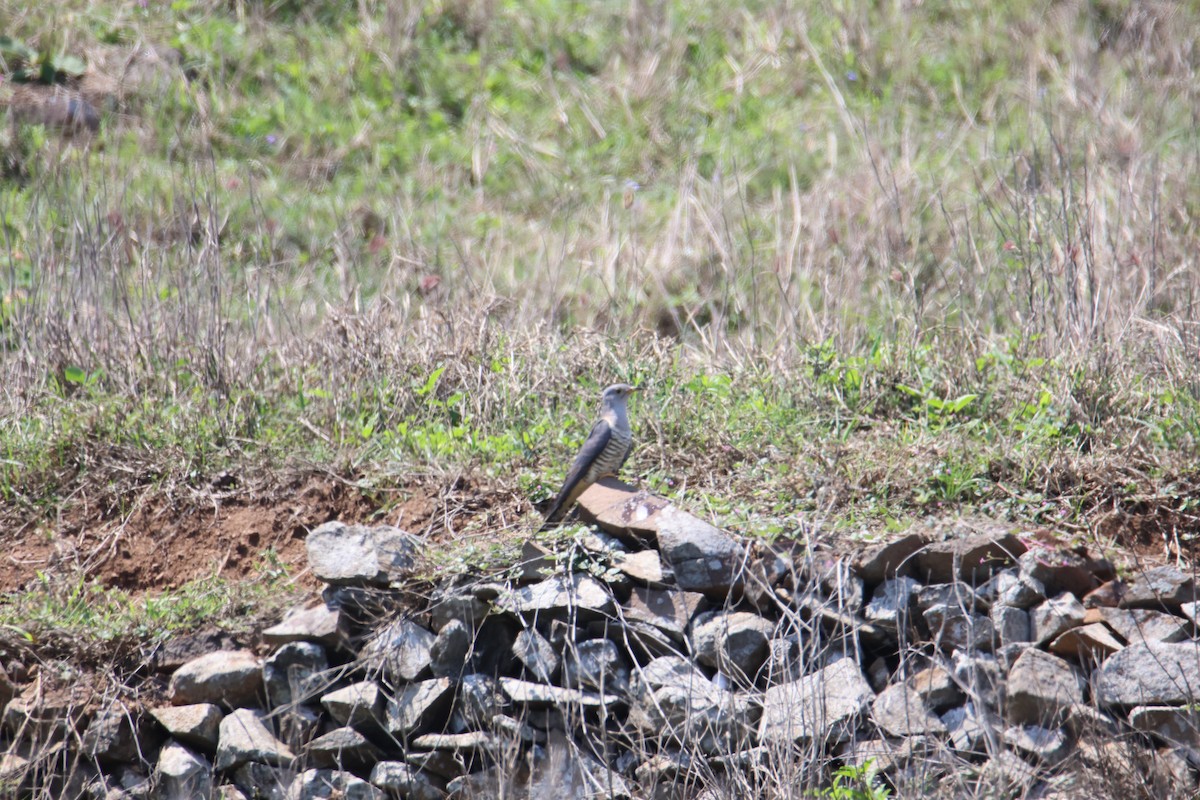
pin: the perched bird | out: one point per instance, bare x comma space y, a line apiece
603, 453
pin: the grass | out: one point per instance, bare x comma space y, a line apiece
873, 262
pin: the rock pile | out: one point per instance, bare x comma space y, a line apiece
659, 657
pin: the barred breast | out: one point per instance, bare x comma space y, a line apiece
613, 455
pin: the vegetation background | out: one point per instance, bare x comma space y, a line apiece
874, 262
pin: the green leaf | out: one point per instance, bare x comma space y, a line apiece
74, 375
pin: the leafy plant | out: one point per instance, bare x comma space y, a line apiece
852, 782
28, 65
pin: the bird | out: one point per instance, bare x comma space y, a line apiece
604, 452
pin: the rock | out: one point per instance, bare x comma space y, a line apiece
462, 605
672, 698
890, 559
8, 689
194, 725
703, 558
537, 655
736, 643
936, 687
537, 562
1140, 625
1048, 745
448, 655
115, 736
1042, 689
244, 736
401, 650
978, 674
622, 510
297, 725
359, 705
892, 602
969, 729
356, 555
361, 606
182, 774
1011, 588
1171, 775
537, 694
671, 611
441, 764
343, 748
955, 595
1055, 616
401, 780
953, 629
1008, 775
1154, 673
821, 706
1106, 595
230, 678
263, 782
319, 624
1060, 570
1088, 643
900, 711
561, 594
329, 784
596, 664
968, 558
1158, 588
644, 566
472, 741
418, 707
843, 588
292, 674
1011, 624
1179, 727
480, 700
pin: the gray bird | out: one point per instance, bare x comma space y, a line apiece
603, 453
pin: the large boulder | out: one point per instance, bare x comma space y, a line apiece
357, 555
1150, 673
823, 706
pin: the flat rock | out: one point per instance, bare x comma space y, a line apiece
343, 748
244, 736
879, 562
449, 654
194, 725
471, 741
669, 610
559, 594
330, 784
359, 705
402, 650
182, 774
821, 706
596, 664
1163, 587
1061, 570
892, 602
419, 707
970, 558
672, 698
1093, 643
1048, 745
357, 555
319, 624
936, 686
1153, 673
968, 728
736, 643
954, 629
537, 655
1010, 588
293, 673
703, 558
644, 566
115, 736
1140, 625
1173, 725
230, 678
1042, 689
900, 711
538, 694
403, 780
1056, 616
462, 605
622, 510
480, 700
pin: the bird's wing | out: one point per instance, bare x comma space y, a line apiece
592, 448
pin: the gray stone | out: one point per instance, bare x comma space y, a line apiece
356, 555
419, 706
645, 566
1154, 673
182, 774
343, 748
736, 643
537, 655
443, 765
703, 558
1011, 624
671, 611
978, 674
292, 674
461, 605
359, 705
890, 559
560, 594
1140, 625
449, 653
1088, 643
480, 700
1042, 689
843, 589
262, 781
537, 694
892, 602
821, 706
970, 558
953, 629
401, 650
1060, 570
596, 664
471, 742
329, 784
672, 698
298, 724
1159, 587
1173, 725
244, 736
1011, 588
1048, 745
1008, 772
936, 686
402, 780
969, 728
230, 678
115, 735
1056, 616
900, 711
195, 725
319, 624
954, 595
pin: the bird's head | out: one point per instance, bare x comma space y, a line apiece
617, 394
